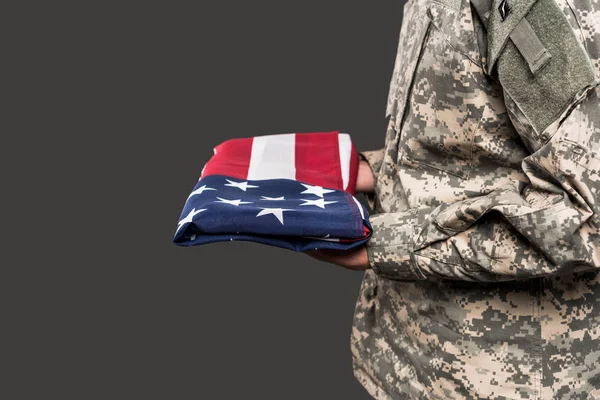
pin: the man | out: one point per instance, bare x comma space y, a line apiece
482, 275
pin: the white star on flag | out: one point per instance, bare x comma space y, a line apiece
188, 218
200, 190
232, 202
318, 190
240, 185
319, 202
272, 198
278, 212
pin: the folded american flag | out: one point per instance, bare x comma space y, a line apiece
292, 190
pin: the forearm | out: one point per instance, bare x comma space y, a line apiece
371, 162
365, 181
496, 237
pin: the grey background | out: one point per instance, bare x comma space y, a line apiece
116, 108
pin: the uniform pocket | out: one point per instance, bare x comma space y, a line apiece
444, 106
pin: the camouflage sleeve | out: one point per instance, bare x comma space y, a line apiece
374, 158
549, 225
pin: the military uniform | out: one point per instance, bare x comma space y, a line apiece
485, 253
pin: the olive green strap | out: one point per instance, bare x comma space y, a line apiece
529, 45
523, 36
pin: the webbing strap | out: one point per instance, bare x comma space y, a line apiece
532, 50
523, 37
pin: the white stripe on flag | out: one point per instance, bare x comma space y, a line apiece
345, 145
360, 207
323, 238
273, 157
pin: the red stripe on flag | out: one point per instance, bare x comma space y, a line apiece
318, 159
354, 160
232, 158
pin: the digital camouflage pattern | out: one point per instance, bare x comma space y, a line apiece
485, 253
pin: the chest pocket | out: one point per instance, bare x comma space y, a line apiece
445, 104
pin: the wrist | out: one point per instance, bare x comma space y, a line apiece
365, 181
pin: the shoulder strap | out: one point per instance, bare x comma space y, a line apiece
529, 46
522, 35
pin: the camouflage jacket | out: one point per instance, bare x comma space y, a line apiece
485, 253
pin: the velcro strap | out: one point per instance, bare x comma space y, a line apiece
529, 46
523, 37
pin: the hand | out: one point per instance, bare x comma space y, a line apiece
355, 259
365, 181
